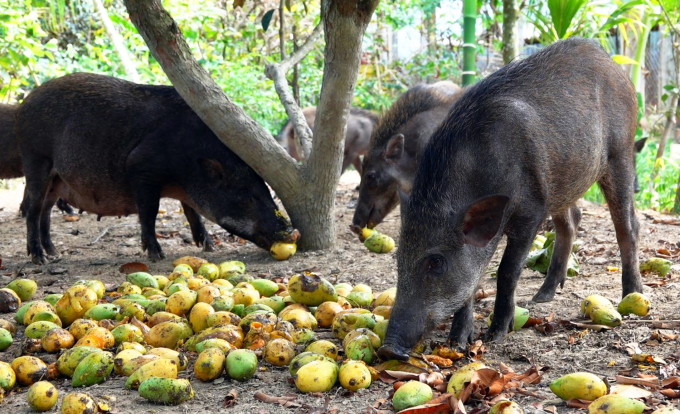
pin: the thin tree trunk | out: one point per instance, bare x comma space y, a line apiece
282, 30
510, 12
307, 192
296, 68
117, 42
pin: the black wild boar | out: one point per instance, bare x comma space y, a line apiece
524, 143
395, 149
113, 147
10, 154
360, 125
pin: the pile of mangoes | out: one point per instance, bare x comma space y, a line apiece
601, 311
376, 241
215, 316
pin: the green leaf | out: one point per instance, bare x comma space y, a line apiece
624, 60
562, 13
267, 18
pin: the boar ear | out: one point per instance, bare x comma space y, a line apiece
395, 148
212, 168
483, 219
639, 144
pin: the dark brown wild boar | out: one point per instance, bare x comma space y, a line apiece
113, 147
395, 149
526, 142
360, 125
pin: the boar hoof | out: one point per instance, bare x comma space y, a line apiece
154, 257
543, 296
208, 245
388, 352
494, 335
39, 259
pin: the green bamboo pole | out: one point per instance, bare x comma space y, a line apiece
640, 53
469, 41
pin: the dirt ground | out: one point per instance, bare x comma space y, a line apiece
96, 249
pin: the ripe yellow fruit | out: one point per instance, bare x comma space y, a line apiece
354, 375
411, 394
635, 303
581, 385
595, 301
78, 403
616, 404
460, 377
506, 407
29, 369
283, 251
317, 376
209, 364
279, 352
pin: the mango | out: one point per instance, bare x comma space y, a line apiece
122, 358
316, 376
132, 345
223, 303
180, 303
506, 407
300, 319
411, 394
304, 336
635, 303
360, 299
305, 358
162, 316
78, 403
237, 278
209, 364
383, 311
193, 263
171, 354
128, 367
616, 404
346, 322
8, 326
198, 317
42, 396
223, 318
326, 312
209, 271
387, 297
53, 298
232, 334
656, 265
362, 287
668, 409
48, 317
69, 360
166, 391
594, 301
375, 339
96, 285
279, 352
460, 377
323, 347
57, 339
380, 329
168, 334
37, 330
245, 297
98, 337
366, 233
581, 385
7, 376
129, 288
230, 268
241, 364
27, 312
163, 368
360, 349
283, 251
379, 243
29, 369
605, 316
223, 345
276, 303
24, 288
265, 287
79, 327
9, 301
6, 339
354, 375
75, 302
208, 294
521, 318
127, 332
162, 281
311, 289
93, 369
102, 311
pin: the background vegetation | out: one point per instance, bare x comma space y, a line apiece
44, 39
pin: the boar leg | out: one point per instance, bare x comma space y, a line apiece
462, 327
148, 200
617, 187
356, 162
566, 226
346, 161
45, 216
198, 231
37, 182
519, 243
63, 206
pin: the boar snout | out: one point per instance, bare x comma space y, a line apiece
391, 351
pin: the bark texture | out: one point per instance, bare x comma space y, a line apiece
308, 191
510, 12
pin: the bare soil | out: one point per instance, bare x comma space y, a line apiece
96, 249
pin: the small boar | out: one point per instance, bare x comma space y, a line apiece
360, 125
526, 142
395, 149
113, 147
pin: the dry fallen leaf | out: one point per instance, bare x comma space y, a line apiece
630, 391
438, 361
133, 267
230, 399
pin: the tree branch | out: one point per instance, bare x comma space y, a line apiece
249, 140
277, 73
117, 41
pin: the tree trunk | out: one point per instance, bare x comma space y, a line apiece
510, 46
469, 41
117, 42
308, 191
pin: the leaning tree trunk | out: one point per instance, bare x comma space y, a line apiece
510, 11
308, 191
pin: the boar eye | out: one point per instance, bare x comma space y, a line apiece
370, 179
435, 264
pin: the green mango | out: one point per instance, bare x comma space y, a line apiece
265, 287
93, 369
168, 391
102, 311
